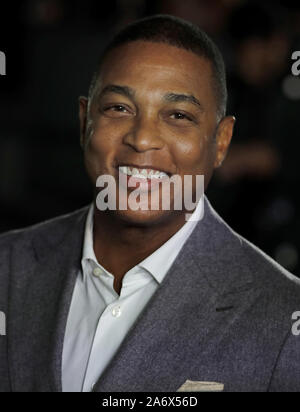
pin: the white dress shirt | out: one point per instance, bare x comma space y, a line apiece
99, 319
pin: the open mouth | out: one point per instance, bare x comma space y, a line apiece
143, 179
143, 174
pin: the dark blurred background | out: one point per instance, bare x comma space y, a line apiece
52, 47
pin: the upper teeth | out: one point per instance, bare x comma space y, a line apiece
142, 173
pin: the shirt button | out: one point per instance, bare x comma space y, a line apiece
97, 272
116, 312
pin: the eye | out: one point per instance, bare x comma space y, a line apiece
181, 116
116, 108
116, 111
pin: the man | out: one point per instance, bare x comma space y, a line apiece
143, 300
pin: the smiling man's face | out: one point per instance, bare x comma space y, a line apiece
154, 108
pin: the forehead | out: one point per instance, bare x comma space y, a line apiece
157, 66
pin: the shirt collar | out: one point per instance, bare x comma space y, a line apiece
88, 253
160, 261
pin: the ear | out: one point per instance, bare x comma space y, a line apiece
223, 139
83, 106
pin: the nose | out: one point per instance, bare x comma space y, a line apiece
144, 135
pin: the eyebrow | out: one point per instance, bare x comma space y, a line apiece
169, 97
177, 98
113, 88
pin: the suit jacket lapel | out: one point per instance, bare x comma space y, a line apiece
47, 272
186, 317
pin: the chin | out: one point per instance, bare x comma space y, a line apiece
144, 218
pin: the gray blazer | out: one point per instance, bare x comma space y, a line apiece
222, 314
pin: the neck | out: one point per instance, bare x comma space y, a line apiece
119, 245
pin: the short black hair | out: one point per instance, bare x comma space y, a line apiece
176, 32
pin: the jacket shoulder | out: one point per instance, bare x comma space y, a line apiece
267, 273
57, 226
241, 258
